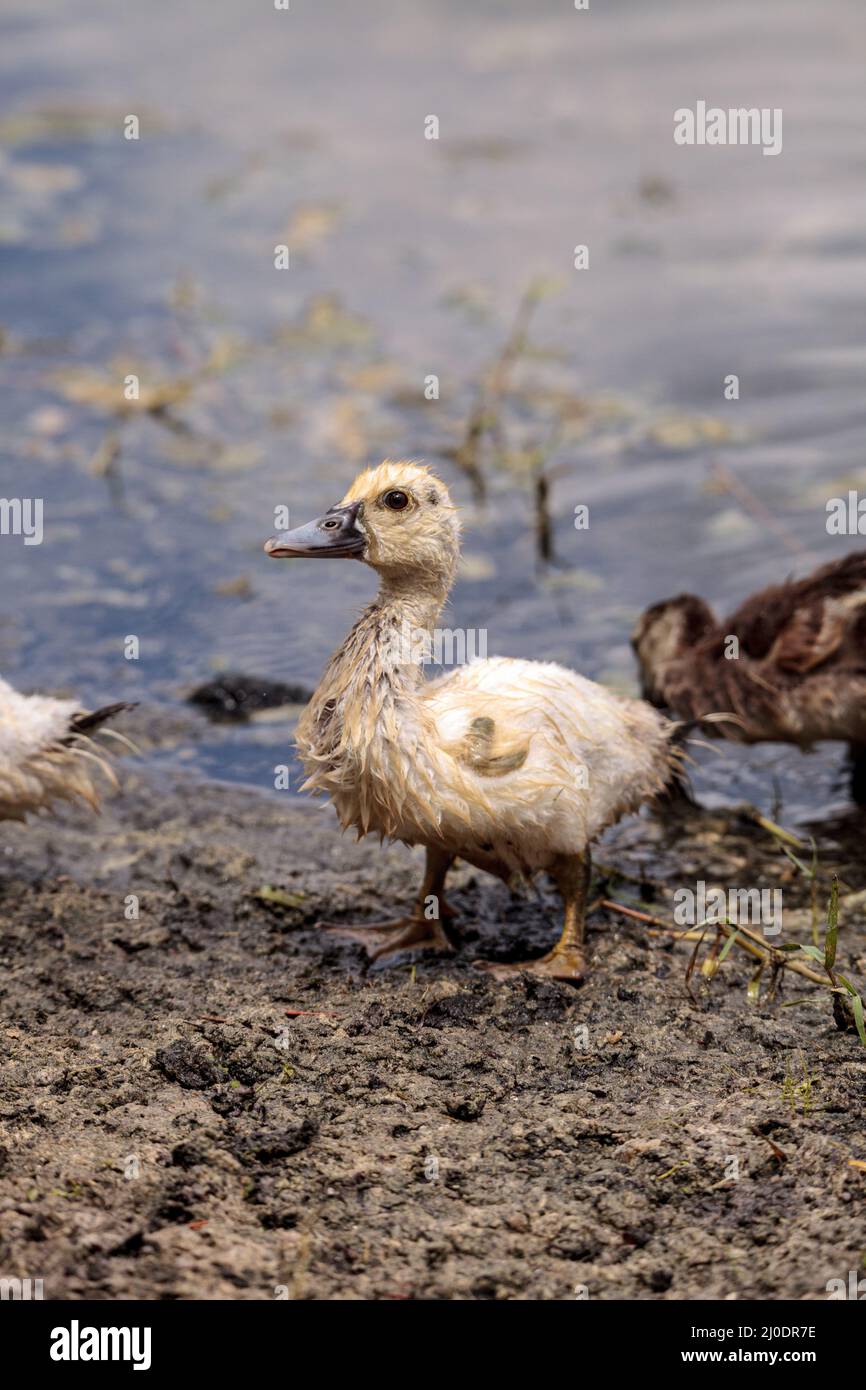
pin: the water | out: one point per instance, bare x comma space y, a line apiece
409, 257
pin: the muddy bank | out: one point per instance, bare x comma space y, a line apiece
215, 1102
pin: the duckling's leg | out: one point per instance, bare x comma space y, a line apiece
415, 932
567, 960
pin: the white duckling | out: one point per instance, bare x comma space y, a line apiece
514, 766
46, 752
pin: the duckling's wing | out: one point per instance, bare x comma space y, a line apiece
545, 723
488, 749
807, 618
84, 722
817, 634
829, 625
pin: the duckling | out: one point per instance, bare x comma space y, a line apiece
514, 766
796, 673
46, 753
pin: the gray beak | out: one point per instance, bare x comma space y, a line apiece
333, 536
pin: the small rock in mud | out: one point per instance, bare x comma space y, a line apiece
187, 1063
236, 696
189, 1154
269, 1146
466, 1107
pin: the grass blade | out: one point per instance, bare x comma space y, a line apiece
727, 946
754, 990
814, 952
832, 925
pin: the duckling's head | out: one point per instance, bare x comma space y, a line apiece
398, 518
663, 633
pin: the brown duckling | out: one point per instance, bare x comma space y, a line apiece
790, 663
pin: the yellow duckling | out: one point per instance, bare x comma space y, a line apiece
514, 766
46, 753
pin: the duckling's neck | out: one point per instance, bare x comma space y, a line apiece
377, 669
404, 616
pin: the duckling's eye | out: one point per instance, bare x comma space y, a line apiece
396, 500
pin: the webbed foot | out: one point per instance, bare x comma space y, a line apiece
567, 964
382, 939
